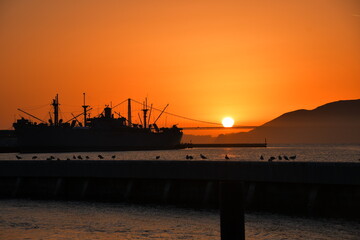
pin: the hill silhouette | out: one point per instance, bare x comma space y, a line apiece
335, 122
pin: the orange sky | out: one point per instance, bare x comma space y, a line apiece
252, 60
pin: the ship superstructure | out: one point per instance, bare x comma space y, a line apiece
101, 133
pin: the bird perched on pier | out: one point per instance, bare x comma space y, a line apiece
226, 157
293, 157
34, 157
79, 157
271, 159
52, 157
280, 158
203, 157
113, 157
261, 157
286, 157
87, 157
157, 157
100, 157
18, 157
189, 157
74, 157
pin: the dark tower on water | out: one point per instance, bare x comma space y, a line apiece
85, 109
56, 104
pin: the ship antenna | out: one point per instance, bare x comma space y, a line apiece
56, 104
85, 110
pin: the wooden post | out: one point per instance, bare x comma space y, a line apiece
208, 190
166, 191
312, 200
250, 194
17, 186
58, 185
129, 187
232, 223
84, 188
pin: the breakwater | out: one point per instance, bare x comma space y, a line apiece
297, 187
304, 187
226, 145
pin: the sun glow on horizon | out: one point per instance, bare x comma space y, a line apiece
228, 122
246, 57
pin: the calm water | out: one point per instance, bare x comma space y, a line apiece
318, 153
26, 219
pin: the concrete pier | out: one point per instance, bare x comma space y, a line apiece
281, 172
305, 188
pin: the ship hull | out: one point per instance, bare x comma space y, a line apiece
85, 139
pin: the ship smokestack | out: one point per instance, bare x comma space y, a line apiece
107, 111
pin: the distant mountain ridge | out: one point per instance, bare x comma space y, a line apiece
335, 122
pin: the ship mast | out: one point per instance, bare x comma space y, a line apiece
56, 104
129, 112
85, 109
145, 112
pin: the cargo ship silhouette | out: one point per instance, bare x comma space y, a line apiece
101, 133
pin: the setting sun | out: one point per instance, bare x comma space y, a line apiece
228, 122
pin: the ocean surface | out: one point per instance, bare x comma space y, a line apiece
30, 219
313, 153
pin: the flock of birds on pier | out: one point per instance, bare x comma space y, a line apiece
79, 157
188, 157
284, 157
